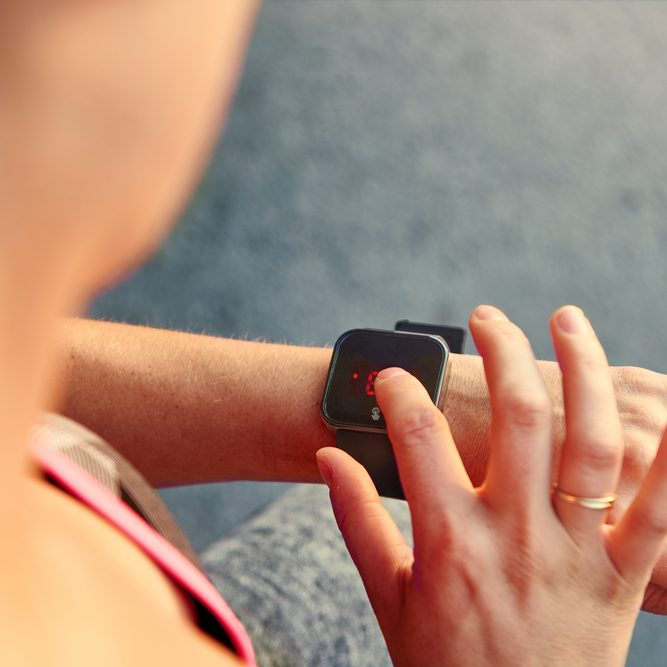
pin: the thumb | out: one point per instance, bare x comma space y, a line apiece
374, 541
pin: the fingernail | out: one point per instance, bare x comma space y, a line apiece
571, 320
387, 373
489, 313
325, 470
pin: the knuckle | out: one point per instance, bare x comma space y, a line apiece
348, 516
454, 551
526, 409
418, 425
651, 520
445, 546
592, 362
597, 453
638, 456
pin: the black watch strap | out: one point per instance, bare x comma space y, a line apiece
373, 451
455, 337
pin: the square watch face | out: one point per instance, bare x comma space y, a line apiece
359, 355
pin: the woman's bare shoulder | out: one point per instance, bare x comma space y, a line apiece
85, 592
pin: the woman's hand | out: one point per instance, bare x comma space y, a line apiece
641, 399
506, 574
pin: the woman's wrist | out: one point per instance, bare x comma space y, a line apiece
468, 412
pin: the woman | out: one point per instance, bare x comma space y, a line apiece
107, 111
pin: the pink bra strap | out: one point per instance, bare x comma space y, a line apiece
96, 495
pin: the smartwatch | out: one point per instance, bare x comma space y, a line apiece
349, 406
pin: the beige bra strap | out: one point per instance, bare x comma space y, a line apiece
104, 463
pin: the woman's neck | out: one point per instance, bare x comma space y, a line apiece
24, 391
30, 303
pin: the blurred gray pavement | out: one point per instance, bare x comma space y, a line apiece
391, 159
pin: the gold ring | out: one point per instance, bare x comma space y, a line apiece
600, 503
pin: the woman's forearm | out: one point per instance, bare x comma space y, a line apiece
188, 408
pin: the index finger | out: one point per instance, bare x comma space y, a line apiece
429, 465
